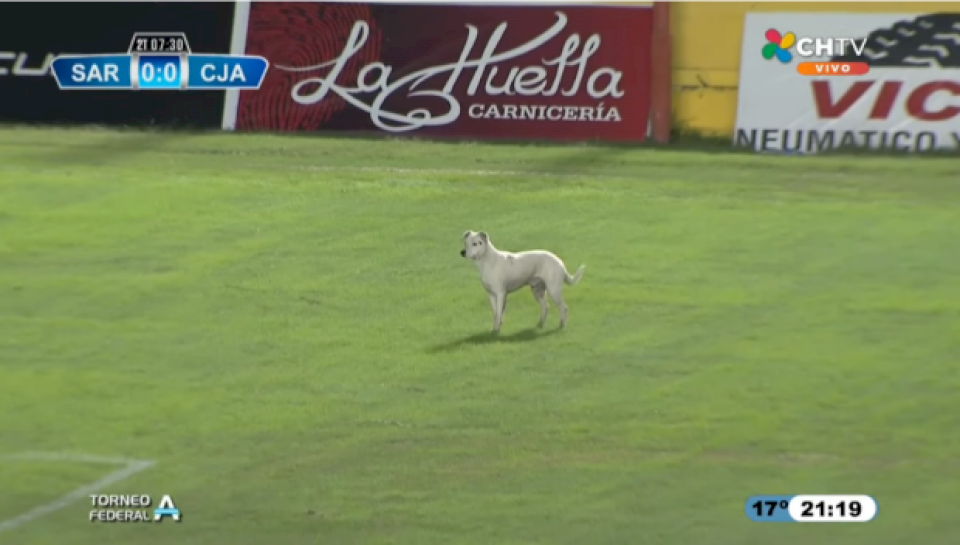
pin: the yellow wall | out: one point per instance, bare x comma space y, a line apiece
706, 53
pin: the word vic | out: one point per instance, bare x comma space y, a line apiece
925, 101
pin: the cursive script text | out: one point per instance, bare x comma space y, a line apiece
527, 81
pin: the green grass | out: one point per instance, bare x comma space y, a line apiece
285, 325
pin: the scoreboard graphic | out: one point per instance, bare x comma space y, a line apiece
159, 61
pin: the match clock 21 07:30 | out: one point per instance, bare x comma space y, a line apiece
812, 508
159, 42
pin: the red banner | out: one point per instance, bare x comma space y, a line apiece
525, 72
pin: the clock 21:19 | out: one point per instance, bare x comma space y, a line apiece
840, 509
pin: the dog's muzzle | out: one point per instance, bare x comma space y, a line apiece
463, 253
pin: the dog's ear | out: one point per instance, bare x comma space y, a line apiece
466, 234
484, 236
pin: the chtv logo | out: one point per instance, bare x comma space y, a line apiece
779, 45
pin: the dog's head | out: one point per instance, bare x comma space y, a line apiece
474, 245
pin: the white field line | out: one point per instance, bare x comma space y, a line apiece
66, 457
131, 467
589, 176
460, 172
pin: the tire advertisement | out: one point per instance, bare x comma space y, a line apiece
908, 99
33, 33
469, 71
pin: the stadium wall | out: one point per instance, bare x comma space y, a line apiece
29, 43
706, 38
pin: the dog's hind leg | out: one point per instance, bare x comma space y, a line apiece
539, 290
556, 293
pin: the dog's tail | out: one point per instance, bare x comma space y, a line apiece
572, 280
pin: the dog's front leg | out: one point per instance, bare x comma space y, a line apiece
494, 310
500, 305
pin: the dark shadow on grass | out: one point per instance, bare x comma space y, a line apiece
591, 151
99, 149
100, 152
478, 339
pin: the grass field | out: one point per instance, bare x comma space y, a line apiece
285, 326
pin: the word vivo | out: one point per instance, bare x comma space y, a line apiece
131, 508
829, 47
825, 68
833, 67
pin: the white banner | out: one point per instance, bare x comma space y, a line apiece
909, 100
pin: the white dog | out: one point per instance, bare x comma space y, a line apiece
506, 272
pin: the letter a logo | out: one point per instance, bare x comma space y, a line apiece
166, 508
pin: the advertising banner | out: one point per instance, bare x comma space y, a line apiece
469, 71
812, 82
36, 32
